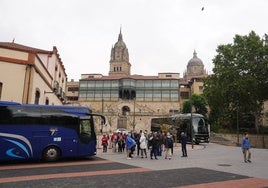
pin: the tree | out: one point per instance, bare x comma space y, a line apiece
132, 122
239, 83
198, 102
186, 106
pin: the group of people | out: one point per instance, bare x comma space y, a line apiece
144, 144
156, 143
116, 141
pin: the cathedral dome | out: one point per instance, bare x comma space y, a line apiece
195, 61
195, 67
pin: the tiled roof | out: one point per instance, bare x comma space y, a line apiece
135, 77
15, 46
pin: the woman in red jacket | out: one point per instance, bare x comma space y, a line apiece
104, 142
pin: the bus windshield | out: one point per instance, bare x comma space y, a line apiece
199, 125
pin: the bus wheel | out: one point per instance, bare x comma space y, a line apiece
51, 153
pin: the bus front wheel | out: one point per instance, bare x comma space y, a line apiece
51, 153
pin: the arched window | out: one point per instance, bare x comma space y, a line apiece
37, 97
125, 110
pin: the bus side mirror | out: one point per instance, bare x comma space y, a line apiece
103, 120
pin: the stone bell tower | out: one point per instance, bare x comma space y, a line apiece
119, 62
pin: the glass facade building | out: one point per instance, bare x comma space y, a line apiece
149, 89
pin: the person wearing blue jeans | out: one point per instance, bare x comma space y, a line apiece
246, 148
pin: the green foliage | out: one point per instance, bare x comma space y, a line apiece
215, 128
239, 83
263, 130
186, 108
198, 103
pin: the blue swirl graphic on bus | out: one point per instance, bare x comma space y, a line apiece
10, 151
20, 143
11, 154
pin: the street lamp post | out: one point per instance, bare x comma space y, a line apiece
191, 119
102, 105
73, 97
192, 142
237, 125
134, 114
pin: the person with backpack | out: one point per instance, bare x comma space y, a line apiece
130, 146
168, 145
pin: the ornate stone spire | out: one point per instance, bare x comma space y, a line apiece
120, 37
119, 62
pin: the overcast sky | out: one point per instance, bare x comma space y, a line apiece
161, 35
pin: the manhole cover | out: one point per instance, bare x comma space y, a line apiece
224, 165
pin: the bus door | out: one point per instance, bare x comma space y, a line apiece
87, 138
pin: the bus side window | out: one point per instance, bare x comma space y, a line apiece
85, 127
5, 116
85, 131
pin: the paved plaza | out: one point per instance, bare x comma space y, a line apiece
207, 165
208, 156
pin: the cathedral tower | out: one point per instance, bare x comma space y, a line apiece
119, 62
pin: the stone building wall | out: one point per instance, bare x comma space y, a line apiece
257, 141
144, 111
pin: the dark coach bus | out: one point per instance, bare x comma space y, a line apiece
199, 131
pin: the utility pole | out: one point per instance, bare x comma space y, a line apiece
191, 119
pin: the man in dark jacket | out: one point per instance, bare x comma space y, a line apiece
153, 145
183, 144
